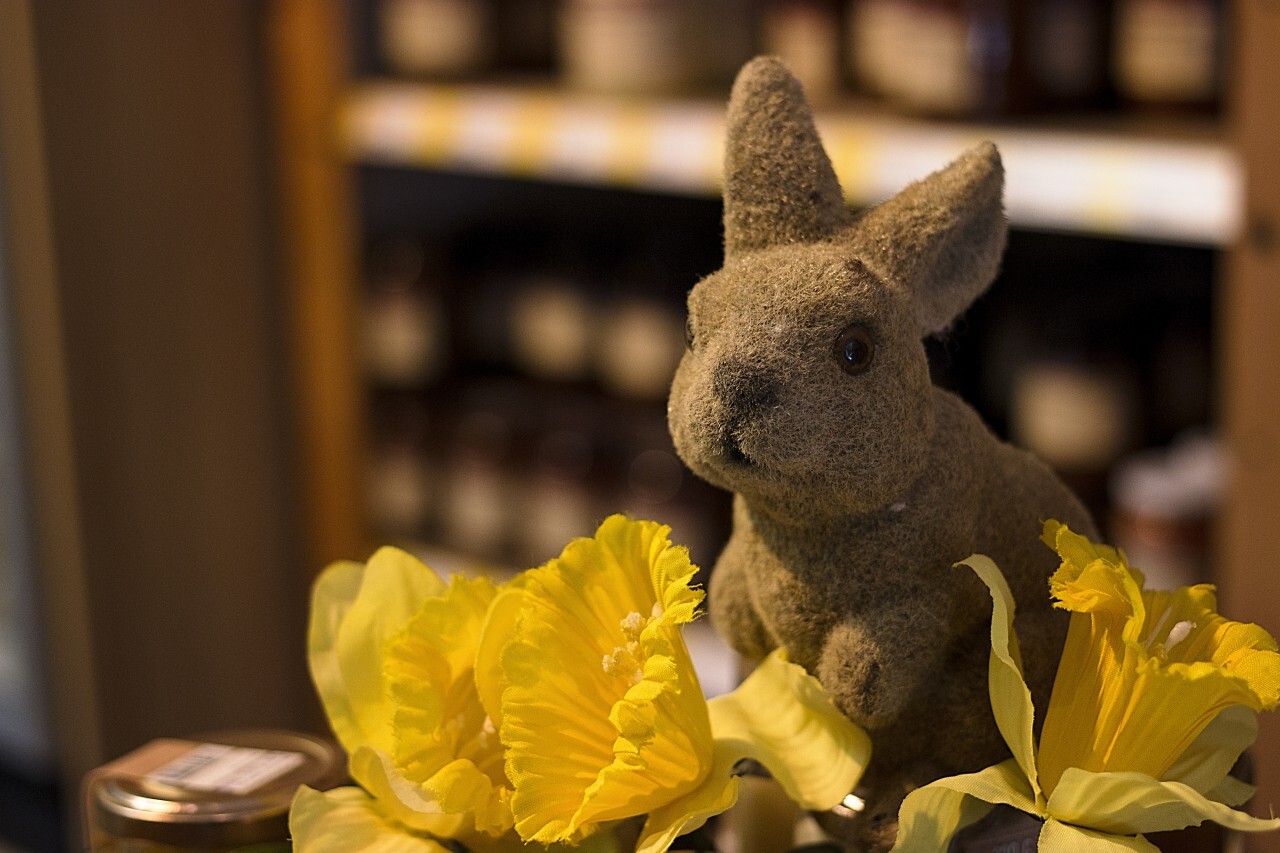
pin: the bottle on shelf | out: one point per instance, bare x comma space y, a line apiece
560, 501
1068, 53
806, 34
1164, 503
639, 346
553, 328
925, 57
436, 38
404, 332
943, 58
630, 47
1168, 53
652, 483
481, 496
402, 474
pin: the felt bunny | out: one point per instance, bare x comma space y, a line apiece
805, 390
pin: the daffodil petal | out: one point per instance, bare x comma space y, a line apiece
1206, 763
402, 800
1058, 837
331, 597
499, 628
1134, 803
351, 633
931, 815
1010, 697
346, 819
717, 793
782, 717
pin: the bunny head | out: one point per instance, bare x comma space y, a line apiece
805, 386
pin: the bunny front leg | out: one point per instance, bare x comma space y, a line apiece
874, 663
733, 613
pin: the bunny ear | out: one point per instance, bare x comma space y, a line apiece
941, 237
779, 186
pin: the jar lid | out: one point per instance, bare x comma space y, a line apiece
229, 789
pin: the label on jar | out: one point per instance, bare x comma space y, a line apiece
226, 769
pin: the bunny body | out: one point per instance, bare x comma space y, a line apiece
858, 484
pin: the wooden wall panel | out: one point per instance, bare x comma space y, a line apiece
156, 151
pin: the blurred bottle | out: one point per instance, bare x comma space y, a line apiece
631, 47
552, 327
560, 500
404, 334
1164, 503
436, 38
951, 58
652, 483
1168, 53
806, 34
481, 498
1079, 417
640, 344
402, 477
1068, 52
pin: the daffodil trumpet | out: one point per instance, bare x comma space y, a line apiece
585, 672
1155, 699
553, 709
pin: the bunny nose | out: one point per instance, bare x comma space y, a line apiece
744, 390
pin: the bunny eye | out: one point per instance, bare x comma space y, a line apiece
854, 349
688, 334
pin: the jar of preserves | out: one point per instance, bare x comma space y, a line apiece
225, 791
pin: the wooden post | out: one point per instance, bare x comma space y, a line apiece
1249, 547
307, 43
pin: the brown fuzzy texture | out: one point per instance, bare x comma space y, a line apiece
856, 494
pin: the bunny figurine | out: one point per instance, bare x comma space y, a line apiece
858, 484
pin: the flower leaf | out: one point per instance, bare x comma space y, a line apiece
1134, 803
782, 717
1057, 837
1010, 696
931, 815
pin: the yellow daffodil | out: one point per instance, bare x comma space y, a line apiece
392, 651
600, 711
1155, 699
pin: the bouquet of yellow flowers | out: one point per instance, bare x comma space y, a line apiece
560, 708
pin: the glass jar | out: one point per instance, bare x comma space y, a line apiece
225, 791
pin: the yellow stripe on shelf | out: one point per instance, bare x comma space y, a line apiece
632, 145
1098, 183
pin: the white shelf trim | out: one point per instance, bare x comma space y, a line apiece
1093, 183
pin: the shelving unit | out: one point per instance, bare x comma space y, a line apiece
1132, 183
1181, 184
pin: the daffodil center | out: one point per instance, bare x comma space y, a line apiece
1163, 648
627, 660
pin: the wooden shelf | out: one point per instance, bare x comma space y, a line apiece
1109, 182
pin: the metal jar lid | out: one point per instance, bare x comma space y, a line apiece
164, 810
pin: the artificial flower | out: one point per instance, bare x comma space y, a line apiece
392, 650
1154, 700
599, 708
